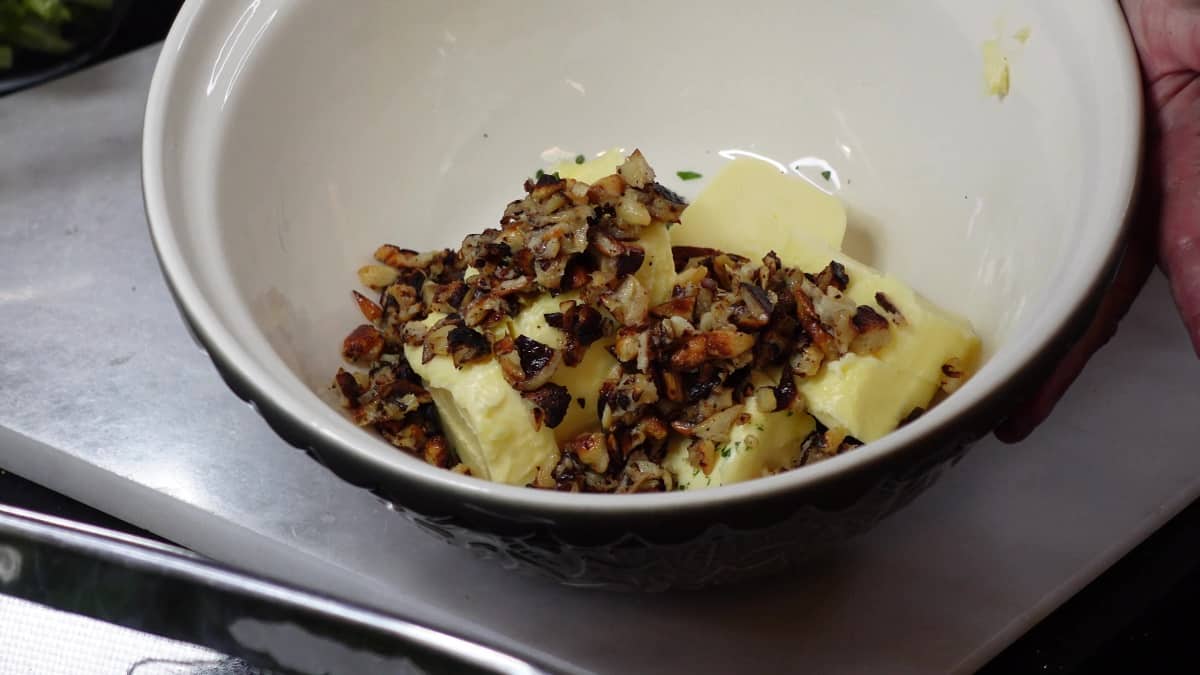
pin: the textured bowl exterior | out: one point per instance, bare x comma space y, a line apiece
720, 554
711, 547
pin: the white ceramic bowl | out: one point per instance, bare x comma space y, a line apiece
285, 139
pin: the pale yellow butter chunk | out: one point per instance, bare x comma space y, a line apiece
864, 395
751, 206
657, 276
903, 375
487, 422
592, 170
927, 338
767, 443
657, 273
582, 380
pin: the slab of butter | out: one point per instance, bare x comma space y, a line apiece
657, 273
927, 338
583, 380
488, 423
767, 443
865, 395
751, 205
657, 276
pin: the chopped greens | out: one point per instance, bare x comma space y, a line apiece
826, 174
688, 175
580, 159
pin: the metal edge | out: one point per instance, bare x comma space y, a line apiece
136, 560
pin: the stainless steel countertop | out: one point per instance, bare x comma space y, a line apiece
104, 397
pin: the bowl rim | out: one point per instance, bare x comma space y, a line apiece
253, 381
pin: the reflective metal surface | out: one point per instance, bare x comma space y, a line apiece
104, 397
136, 593
33, 636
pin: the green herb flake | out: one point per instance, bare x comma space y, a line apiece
826, 174
789, 413
725, 450
580, 159
538, 174
688, 175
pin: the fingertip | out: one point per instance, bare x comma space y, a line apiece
1037, 408
1185, 288
1013, 430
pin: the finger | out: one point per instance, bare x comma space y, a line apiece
1134, 270
1181, 258
1163, 34
1179, 245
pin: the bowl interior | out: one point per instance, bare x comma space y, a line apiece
296, 136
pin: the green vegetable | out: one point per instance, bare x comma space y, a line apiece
580, 159
826, 174
37, 25
688, 175
52, 11
39, 36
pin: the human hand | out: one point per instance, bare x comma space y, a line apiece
1166, 227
